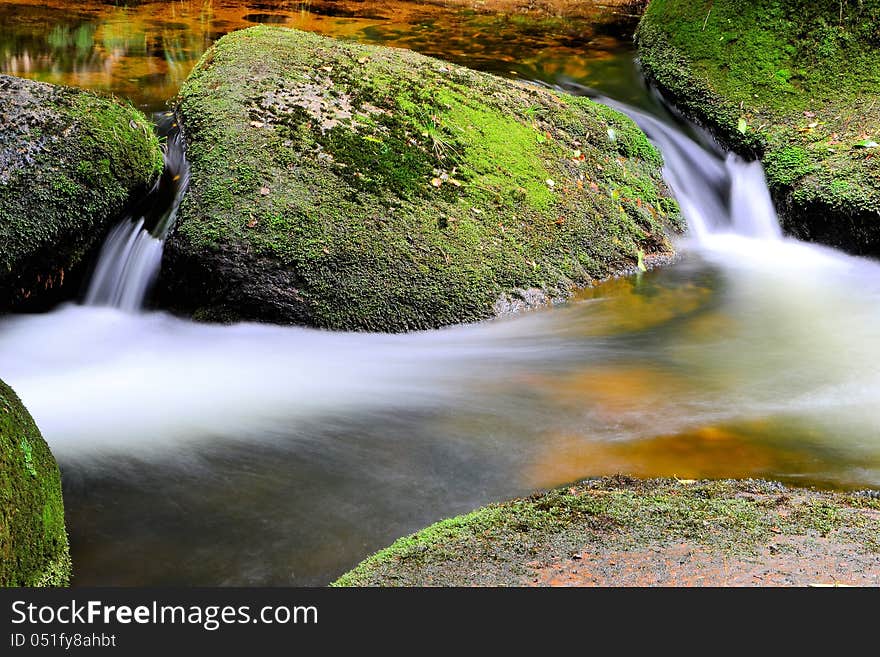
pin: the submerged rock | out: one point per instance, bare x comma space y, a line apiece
33, 540
358, 187
69, 161
794, 82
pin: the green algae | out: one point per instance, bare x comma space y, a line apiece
359, 187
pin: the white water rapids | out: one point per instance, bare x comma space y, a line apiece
190, 440
802, 340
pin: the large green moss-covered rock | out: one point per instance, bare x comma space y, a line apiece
358, 187
33, 540
69, 161
795, 82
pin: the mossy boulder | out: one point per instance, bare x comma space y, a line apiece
794, 82
623, 531
69, 162
359, 187
33, 540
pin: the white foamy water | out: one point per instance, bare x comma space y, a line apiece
127, 267
257, 454
799, 341
131, 256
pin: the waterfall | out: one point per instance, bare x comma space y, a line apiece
720, 193
751, 356
717, 195
131, 256
127, 266
751, 208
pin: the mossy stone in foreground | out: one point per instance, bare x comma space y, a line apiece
33, 540
795, 82
611, 527
69, 161
358, 187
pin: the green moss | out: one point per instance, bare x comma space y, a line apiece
789, 164
379, 189
33, 539
792, 81
729, 517
28, 452
71, 161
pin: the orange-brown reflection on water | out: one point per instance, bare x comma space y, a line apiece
624, 305
710, 452
625, 396
145, 51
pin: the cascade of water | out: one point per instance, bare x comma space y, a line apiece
128, 265
751, 209
720, 193
755, 356
717, 196
131, 256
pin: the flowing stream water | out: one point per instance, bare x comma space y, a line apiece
257, 454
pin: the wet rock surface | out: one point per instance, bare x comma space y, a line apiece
620, 531
357, 187
33, 539
69, 163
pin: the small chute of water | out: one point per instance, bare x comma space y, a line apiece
131, 256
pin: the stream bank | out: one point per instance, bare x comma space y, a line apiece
793, 82
620, 531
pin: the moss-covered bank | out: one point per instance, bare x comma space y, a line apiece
33, 540
358, 187
69, 161
606, 530
795, 82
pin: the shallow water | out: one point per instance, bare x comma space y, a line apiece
254, 454
260, 454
